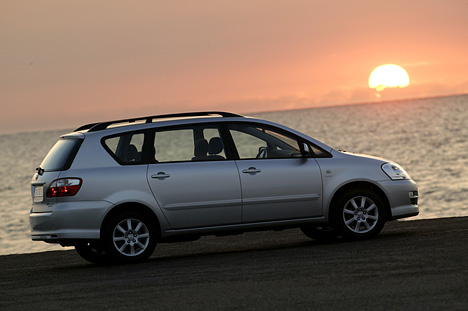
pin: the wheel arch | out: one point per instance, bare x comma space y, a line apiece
133, 207
358, 185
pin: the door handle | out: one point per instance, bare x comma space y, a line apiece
251, 170
160, 175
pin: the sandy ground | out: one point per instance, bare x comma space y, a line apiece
411, 265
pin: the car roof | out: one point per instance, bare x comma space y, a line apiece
92, 127
142, 123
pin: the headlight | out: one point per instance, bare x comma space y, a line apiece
395, 172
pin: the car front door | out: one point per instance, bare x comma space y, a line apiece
277, 182
192, 179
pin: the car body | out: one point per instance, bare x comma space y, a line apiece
115, 189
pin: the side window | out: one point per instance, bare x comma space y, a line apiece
318, 152
171, 146
248, 146
127, 147
197, 143
258, 142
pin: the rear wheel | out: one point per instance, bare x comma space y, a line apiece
360, 214
92, 252
130, 237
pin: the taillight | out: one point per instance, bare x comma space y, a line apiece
64, 187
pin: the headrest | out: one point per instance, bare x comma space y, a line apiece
201, 148
215, 146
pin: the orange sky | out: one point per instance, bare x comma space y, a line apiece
66, 63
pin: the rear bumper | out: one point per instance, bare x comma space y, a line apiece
69, 220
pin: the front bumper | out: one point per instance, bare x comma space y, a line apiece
402, 196
69, 221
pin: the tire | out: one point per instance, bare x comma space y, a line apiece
92, 252
360, 214
129, 237
320, 233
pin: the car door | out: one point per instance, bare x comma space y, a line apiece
277, 182
192, 179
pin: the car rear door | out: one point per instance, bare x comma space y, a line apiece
192, 179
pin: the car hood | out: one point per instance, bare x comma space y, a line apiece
358, 156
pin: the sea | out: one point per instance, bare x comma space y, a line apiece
428, 137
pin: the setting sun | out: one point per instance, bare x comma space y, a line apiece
388, 76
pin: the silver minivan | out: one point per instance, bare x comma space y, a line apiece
115, 189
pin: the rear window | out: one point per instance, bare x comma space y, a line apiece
61, 156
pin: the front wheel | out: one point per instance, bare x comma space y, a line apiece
360, 214
130, 237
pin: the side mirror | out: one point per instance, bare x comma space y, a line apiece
305, 150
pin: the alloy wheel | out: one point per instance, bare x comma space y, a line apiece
131, 237
360, 214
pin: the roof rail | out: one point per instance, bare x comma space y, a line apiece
93, 127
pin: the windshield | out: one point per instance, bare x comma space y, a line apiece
61, 156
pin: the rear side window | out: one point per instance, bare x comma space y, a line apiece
173, 146
61, 156
189, 143
126, 148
